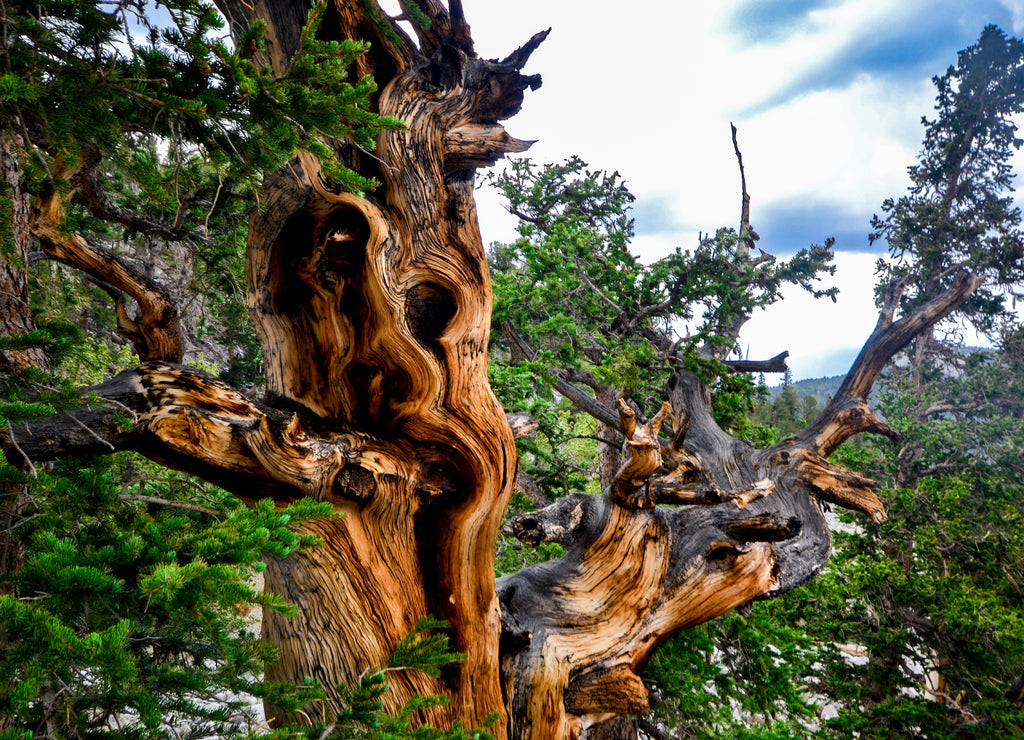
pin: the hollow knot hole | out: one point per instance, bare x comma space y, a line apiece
346, 235
429, 308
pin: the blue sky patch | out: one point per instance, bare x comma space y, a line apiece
911, 51
774, 20
785, 228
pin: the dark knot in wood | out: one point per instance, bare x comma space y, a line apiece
429, 309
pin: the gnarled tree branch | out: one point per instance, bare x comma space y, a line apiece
848, 413
156, 334
581, 399
776, 364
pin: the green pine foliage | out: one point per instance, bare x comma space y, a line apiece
573, 288
934, 595
919, 621
133, 609
178, 127
590, 308
134, 614
363, 714
85, 76
742, 676
958, 212
787, 412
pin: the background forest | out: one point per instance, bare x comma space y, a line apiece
127, 597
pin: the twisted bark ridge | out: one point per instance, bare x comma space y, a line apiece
374, 316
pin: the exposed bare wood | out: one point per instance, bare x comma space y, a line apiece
731, 320
15, 314
759, 512
609, 445
835, 484
518, 58
580, 628
848, 413
374, 316
746, 242
479, 145
556, 523
844, 417
90, 193
156, 334
691, 401
15, 319
950, 408
157, 501
191, 421
776, 364
613, 690
522, 424
528, 487
459, 34
669, 492
644, 457
767, 527
432, 34
890, 337
284, 22
652, 730
583, 377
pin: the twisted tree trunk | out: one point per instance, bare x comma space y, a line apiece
374, 316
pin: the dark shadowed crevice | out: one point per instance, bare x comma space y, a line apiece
429, 309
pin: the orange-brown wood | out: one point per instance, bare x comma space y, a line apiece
374, 318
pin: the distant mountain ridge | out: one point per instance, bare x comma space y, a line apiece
821, 389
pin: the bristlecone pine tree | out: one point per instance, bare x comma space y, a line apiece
373, 313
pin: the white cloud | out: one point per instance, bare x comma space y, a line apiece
822, 337
650, 92
1016, 8
848, 146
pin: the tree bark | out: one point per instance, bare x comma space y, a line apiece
579, 629
620, 728
15, 315
15, 319
374, 316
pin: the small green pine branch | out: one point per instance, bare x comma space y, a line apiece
422, 651
22, 411
363, 713
416, 14
381, 23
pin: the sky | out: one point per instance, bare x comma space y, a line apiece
827, 96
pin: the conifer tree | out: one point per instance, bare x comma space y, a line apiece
936, 605
372, 313
575, 307
957, 216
